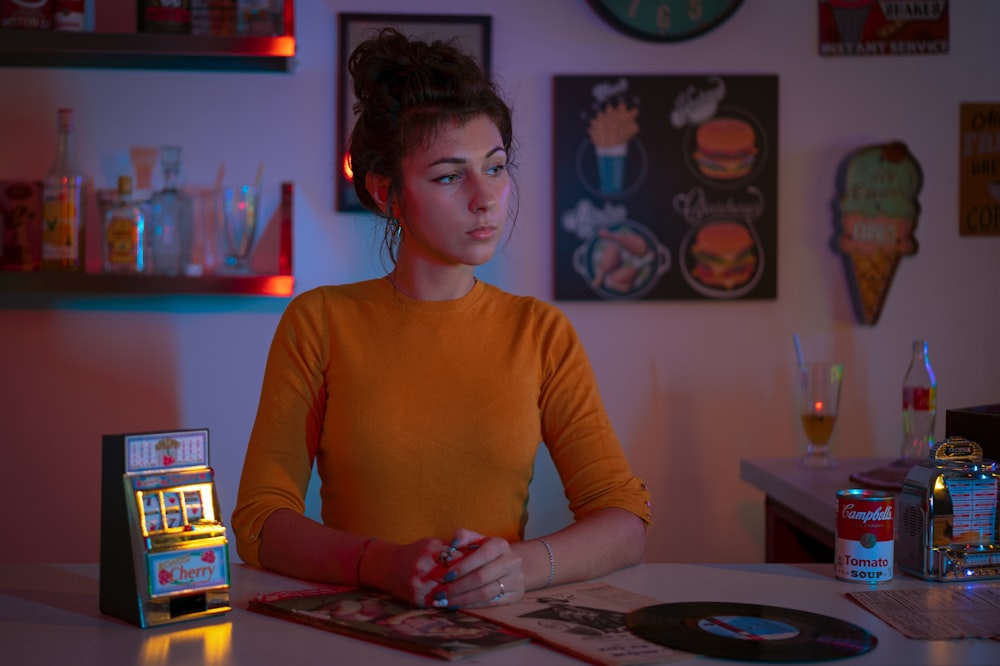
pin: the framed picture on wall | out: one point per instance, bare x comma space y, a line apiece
470, 32
666, 187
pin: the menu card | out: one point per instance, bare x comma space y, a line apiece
937, 613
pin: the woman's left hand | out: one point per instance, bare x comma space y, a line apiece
479, 571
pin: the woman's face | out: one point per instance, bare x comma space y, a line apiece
453, 203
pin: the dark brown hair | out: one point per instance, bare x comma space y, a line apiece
407, 90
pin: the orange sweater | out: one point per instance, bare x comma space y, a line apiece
426, 416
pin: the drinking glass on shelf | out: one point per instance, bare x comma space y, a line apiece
819, 401
239, 212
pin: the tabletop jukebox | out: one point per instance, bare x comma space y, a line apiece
948, 513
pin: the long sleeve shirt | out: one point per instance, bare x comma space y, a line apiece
425, 416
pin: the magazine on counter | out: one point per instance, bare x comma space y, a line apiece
586, 621
380, 618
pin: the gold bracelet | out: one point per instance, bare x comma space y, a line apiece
552, 561
361, 554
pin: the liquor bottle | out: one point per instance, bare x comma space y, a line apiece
171, 225
70, 15
124, 233
172, 16
63, 204
285, 230
919, 405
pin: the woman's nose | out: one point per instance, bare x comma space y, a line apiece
483, 198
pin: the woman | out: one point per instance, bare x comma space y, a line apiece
422, 396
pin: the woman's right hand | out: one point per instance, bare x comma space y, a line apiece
413, 572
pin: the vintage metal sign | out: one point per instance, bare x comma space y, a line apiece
979, 170
883, 27
875, 213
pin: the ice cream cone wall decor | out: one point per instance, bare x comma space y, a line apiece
875, 214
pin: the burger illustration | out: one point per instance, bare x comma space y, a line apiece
726, 148
724, 255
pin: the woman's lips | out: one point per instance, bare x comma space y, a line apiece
483, 233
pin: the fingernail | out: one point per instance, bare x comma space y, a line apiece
440, 600
454, 544
450, 576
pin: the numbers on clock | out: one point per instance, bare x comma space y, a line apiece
664, 20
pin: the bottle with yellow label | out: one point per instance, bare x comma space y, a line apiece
124, 232
63, 204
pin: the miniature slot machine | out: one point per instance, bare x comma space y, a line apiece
164, 551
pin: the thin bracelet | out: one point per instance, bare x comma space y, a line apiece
361, 554
552, 561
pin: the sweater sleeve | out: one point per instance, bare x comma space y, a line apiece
286, 431
584, 448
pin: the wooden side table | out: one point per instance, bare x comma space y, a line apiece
800, 504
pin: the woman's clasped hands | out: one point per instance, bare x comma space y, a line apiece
472, 571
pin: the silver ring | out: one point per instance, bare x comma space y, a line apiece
445, 556
500, 596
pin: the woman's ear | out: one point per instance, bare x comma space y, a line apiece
378, 187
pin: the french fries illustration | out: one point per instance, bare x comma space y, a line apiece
610, 130
613, 125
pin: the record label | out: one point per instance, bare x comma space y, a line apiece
749, 631
747, 628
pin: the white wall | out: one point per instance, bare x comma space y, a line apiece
690, 387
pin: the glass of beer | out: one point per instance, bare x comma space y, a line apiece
819, 401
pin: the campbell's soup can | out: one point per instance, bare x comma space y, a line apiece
863, 552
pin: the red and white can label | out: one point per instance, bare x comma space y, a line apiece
863, 552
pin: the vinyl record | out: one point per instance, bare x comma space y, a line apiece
749, 632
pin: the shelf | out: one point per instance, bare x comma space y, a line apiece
34, 48
145, 285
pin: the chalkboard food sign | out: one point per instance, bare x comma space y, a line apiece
665, 187
875, 213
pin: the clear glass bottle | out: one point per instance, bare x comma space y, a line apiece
124, 233
63, 239
171, 224
919, 405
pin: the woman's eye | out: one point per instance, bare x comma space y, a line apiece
496, 169
447, 179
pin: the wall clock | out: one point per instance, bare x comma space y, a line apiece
664, 20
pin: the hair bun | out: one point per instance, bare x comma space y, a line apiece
405, 90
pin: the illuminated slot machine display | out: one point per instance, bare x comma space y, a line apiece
164, 551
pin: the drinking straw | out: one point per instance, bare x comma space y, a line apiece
798, 350
260, 175
219, 176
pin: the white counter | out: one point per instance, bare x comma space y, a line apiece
49, 615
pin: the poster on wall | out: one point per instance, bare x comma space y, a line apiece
666, 187
979, 170
875, 214
883, 27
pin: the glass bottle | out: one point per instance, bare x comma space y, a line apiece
124, 232
171, 227
173, 16
63, 204
69, 15
919, 405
